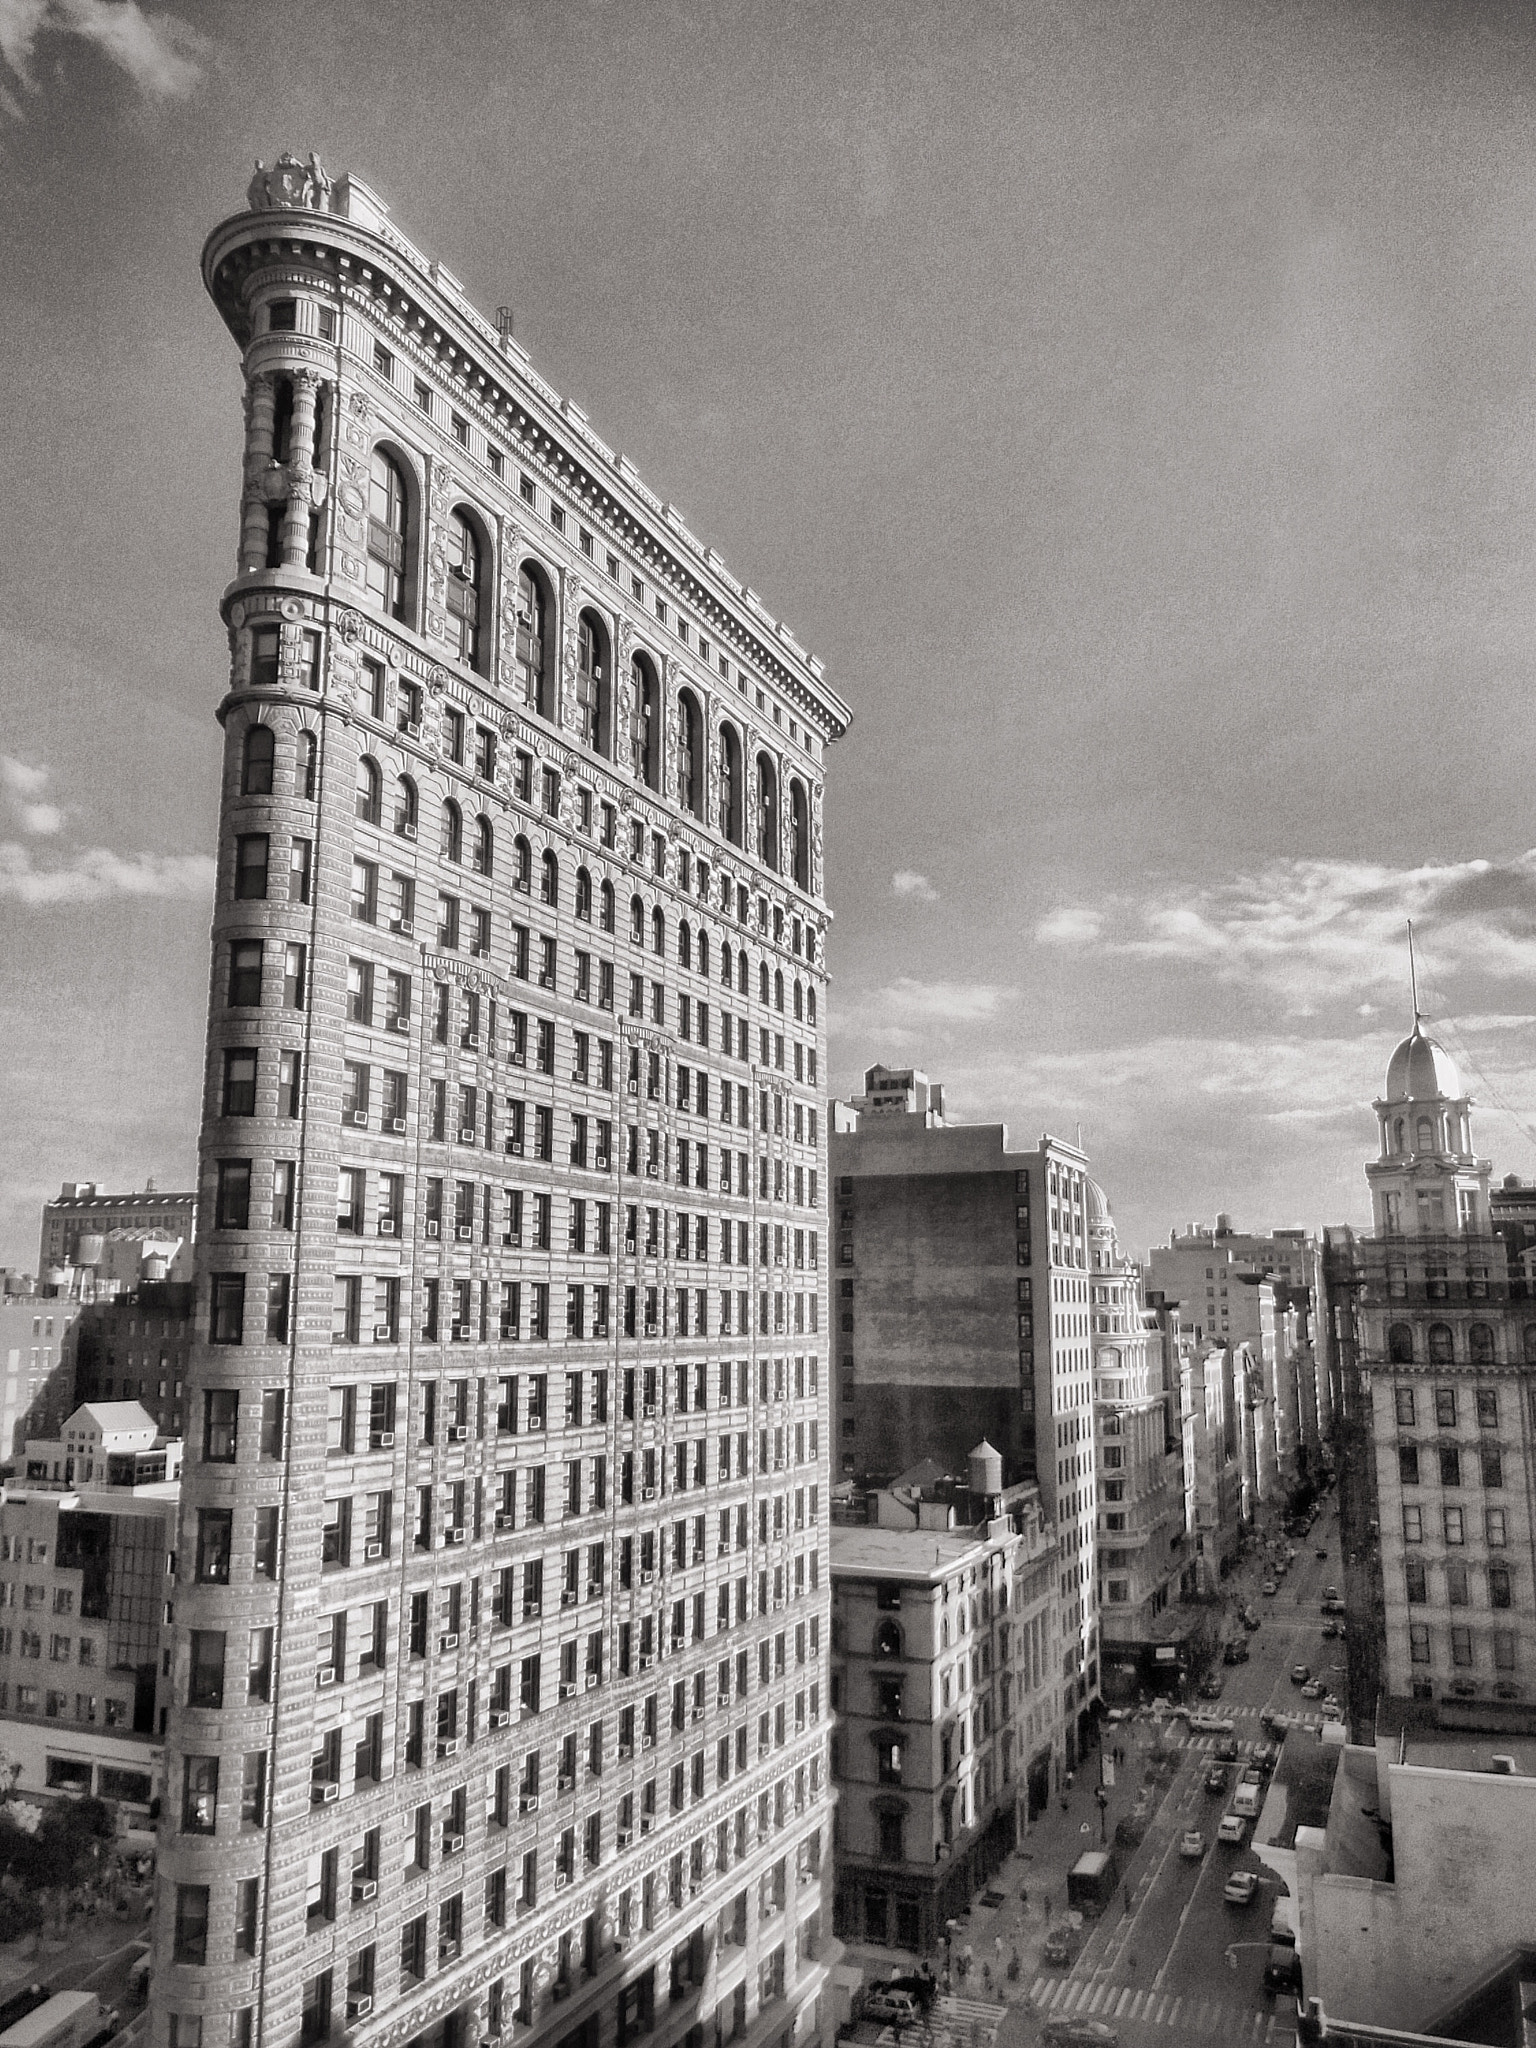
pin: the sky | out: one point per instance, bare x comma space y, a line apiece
1132, 404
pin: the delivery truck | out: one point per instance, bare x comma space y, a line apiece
69, 2019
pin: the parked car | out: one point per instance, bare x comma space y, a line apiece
1211, 1724
1313, 1689
1264, 1756
1192, 1845
1252, 1775
1250, 1619
1282, 1970
898, 2008
1270, 1588
1300, 1673
1330, 1627
1275, 1723
1332, 1711
1225, 1751
1216, 1780
1330, 1592
1058, 1946
1332, 1604
1241, 1888
1233, 1829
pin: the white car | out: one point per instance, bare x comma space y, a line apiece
1240, 1887
1211, 1724
1233, 1829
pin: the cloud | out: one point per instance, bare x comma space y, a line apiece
1310, 930
160, 53
1070, 926
917, 887
90, 874
908, 1014
21, 789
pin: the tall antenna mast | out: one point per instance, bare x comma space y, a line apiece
1413, 976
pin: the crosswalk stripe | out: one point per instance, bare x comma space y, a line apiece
1122, 2002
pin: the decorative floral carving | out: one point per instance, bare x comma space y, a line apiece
350, 627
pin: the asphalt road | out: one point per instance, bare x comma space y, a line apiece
1159, 1972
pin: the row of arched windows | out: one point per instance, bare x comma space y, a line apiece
369, 807
392, 518
258, 763
1441, 1344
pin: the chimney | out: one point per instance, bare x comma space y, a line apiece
504, 324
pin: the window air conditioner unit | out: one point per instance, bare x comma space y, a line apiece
528, 1802
477, 951
397, 1124
460, 1333
452, 1844
360, 1118
565, 1784
566, 1691
359, 2008
594, 1589
446, 1951
458, 1432
325, 1794
629, 1247
647, 1493
405, 926
456, 1535
518, 1059
383, 1334
382, 1440
647, 1822
569, 1599
562, 1879
412, 729
634, 1087
388, 1226
505, 1519
327, 1676
652, 1171
448, 1642
514, 1149
592, 1679
433, 1226
501, 1717
626, 1836
449, 1746
363, 1889
372, 1552
695, 1713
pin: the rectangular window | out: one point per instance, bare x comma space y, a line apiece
245, 974
251, 849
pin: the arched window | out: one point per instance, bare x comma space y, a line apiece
405, 808
388, 517
636, 921
743, 970
466, 575
452, 843
778, 992
257, 757
522, 864
799, 836
583, 895
762, 983
799, 1001
1424, 1131
368, 788
810, 1006
888, 1639
309, 755
767, 812
607, 919
533, 664
485, 845
642, 721
592, 672
658, 934
1399, 1134
549, 877
704, 954
1441, 1345
685, 944
1528, 1343
690, 755
730, 786
1400, 1344
725, 963
1480, 1344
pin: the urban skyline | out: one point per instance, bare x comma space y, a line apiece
1173, 915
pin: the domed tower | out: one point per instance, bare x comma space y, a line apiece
1427, 1181
1103, 1245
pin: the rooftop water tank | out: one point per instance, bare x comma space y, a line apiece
88, 1250
984, 1469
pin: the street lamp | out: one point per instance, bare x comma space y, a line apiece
1103, 1798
